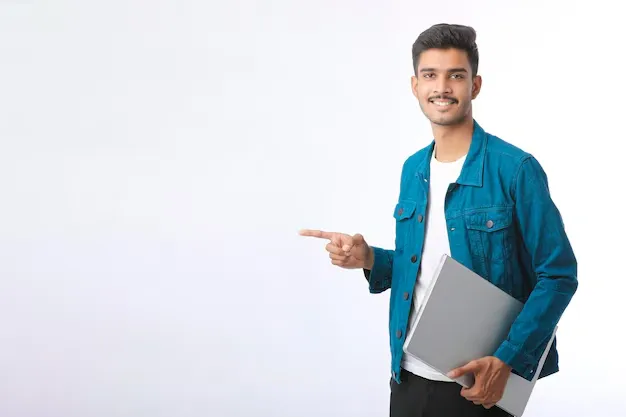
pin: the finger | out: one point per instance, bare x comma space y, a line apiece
472, 366
357, 240
336, 241
332, 248
347, 242
471, 394
316, 233
338, 257
351, 241
488, 406
338, 263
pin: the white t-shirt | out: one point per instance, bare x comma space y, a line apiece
442, 174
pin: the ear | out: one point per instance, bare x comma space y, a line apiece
414, 85
477, 83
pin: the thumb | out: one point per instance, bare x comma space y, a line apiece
351, 241
358, 239
472, 366
348, 243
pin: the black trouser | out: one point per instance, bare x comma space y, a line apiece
420, 397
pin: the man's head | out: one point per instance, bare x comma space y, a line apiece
445, 62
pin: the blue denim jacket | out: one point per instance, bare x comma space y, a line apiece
502, 224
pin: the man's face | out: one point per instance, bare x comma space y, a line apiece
444, 85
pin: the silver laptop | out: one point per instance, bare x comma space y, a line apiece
465, 317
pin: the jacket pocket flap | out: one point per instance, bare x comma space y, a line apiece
404, 209
489, 220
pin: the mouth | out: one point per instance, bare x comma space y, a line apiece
442, 102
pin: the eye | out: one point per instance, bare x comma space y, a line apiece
429, 75
458, 76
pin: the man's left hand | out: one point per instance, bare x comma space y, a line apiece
490, 378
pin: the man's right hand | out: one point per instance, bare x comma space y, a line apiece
350, 252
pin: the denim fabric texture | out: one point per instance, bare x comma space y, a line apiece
503, 224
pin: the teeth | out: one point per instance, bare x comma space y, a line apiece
442, 103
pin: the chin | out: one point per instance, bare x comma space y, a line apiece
446, 120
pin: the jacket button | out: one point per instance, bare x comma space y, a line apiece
406, 295
400, 211
414, 258
420, 218
490, 224
398, 334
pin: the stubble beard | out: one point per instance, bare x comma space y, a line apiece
444, 119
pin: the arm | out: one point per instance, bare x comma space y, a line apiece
553, 261
378, 270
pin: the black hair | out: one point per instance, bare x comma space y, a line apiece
446, 36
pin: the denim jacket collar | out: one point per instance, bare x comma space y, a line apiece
472, 171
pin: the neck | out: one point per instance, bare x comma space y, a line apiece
453, 142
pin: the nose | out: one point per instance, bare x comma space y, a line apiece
443, 87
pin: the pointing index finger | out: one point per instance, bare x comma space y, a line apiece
316, 233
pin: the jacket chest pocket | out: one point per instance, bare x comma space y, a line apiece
489, 232
404, 214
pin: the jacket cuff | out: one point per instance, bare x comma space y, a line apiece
379, 277
523, 364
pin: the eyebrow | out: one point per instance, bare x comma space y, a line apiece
450, 70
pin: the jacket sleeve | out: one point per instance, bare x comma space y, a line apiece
379, 277
553, 262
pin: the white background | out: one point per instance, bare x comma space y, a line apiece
158, 158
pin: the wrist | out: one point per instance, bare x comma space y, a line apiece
369, 260
503, 364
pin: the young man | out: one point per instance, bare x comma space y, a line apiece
484, 202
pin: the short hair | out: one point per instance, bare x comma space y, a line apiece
447, 36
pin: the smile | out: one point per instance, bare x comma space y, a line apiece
442, 103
